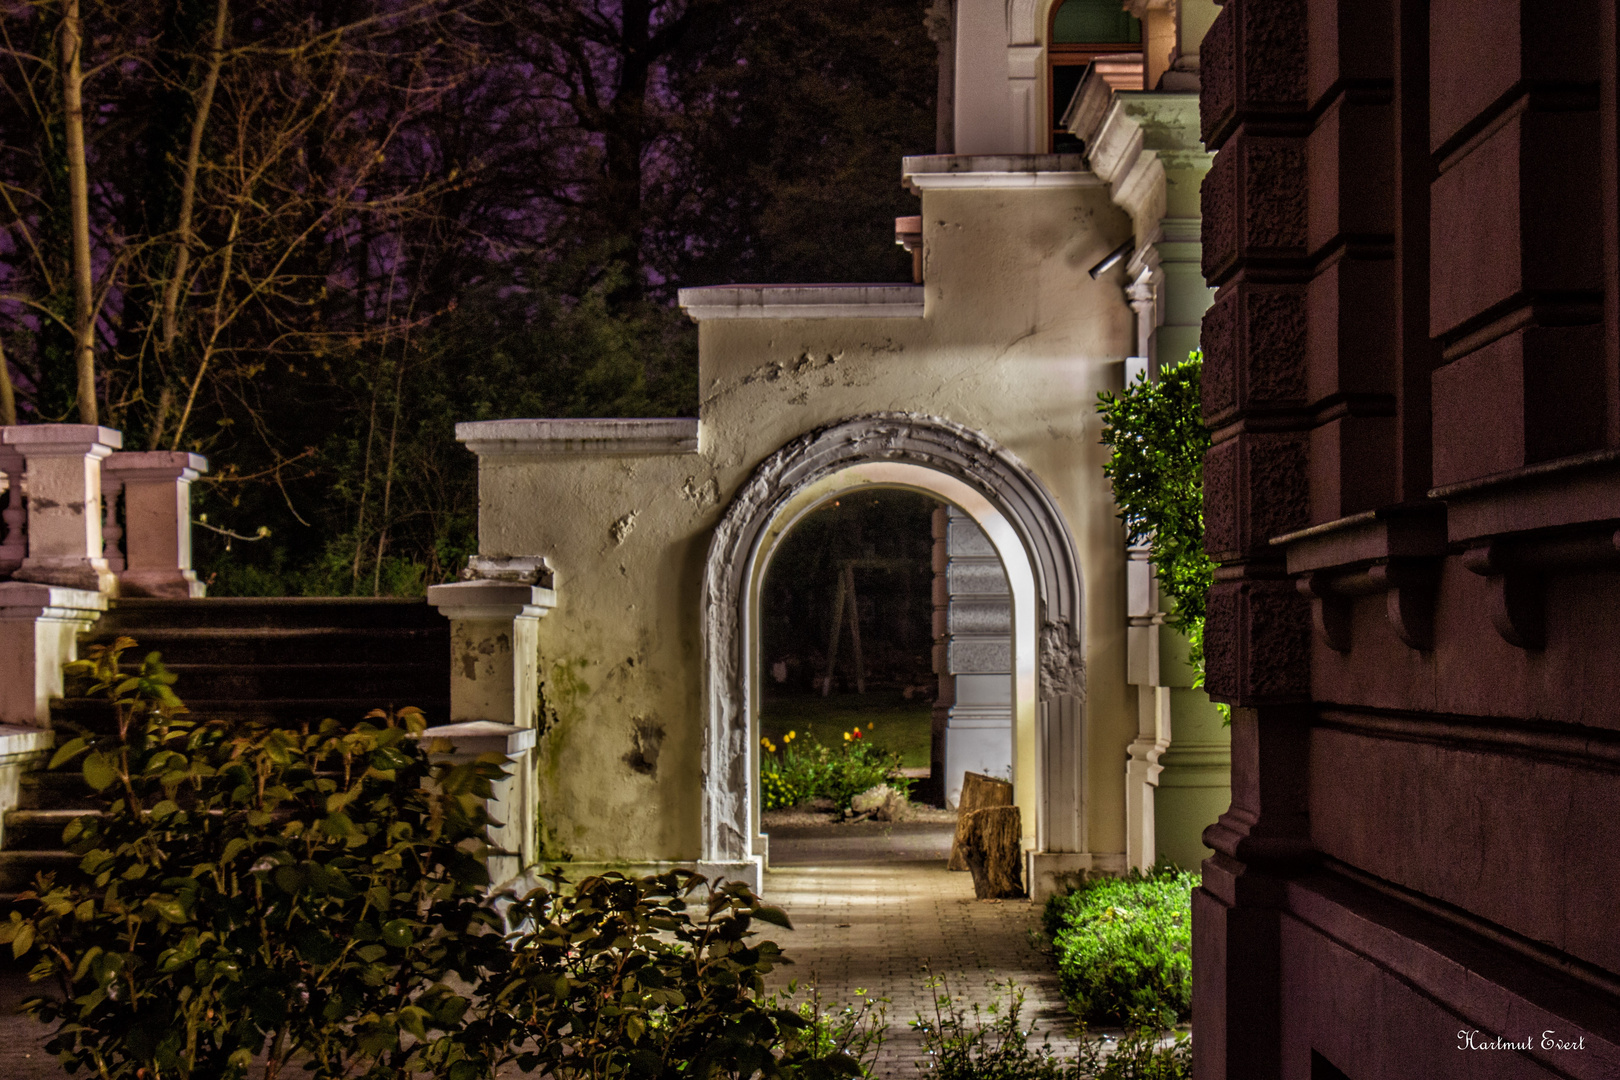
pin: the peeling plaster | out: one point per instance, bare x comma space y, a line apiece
623, 528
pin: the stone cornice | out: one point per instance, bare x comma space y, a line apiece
803, 302
611, 438
1132, 136
933, 172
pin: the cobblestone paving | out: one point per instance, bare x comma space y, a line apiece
873, 907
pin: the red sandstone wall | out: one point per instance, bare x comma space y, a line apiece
1413, 375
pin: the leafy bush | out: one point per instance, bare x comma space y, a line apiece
814, 770
1124, 946
958, 1048
616, 979
1157, 434
321, 896
291, 892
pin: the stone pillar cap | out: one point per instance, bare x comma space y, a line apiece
490, 599
166, 462
66, 436
470, 738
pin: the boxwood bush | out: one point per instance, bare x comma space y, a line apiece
1124, 947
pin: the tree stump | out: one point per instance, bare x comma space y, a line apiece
978, 793
994, 850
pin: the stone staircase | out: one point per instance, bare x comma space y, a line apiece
244, 660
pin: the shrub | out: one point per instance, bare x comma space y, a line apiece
1157, 435
321, 895
813, 770
1124, 946
291, 892
997, 1048
617, 979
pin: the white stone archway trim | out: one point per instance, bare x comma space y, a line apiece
1005, 491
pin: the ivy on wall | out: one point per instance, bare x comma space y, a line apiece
1157, 435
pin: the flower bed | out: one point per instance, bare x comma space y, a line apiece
801, 769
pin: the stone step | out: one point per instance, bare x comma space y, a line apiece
38, 830
93, 714
60, 789
17, 868
133, 616
258, 681
283, 645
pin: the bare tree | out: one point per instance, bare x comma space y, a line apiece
70, 43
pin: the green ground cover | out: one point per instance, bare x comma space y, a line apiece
886, 719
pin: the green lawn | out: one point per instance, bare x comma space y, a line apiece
887, 719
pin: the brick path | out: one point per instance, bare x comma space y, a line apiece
869, 903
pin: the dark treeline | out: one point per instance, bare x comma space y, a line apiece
305, 237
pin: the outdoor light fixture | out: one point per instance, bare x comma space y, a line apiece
1111, 260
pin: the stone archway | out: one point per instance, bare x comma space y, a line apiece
1034, 536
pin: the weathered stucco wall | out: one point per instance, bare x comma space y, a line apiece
1016, 341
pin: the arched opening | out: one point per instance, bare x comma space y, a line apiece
1017, 516
1019, 738
847, 632
1083, 33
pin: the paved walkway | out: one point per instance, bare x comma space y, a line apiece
872, 906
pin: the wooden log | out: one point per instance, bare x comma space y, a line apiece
995, 852
978, 792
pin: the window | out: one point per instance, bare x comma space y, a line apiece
1084, 31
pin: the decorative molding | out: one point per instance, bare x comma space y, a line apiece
611, 438
945, 447
802, 302
984, 172
1517, 570
1395, 552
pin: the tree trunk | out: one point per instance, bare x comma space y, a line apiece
84, 323
978, 793
188, 179
994, 851
8, 394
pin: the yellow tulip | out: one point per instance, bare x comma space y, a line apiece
848, 737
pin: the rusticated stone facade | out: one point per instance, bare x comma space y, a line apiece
1413, 377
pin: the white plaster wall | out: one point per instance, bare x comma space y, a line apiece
984, 118
1016, 342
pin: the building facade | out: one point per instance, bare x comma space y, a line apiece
1044, 279
1413, 379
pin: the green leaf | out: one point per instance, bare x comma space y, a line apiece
99, 772
337, 826
773, 915
398, 933
67, 751
23, 939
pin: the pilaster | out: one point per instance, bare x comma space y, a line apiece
495, 690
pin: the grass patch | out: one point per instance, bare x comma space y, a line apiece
1124, 947
887, 720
